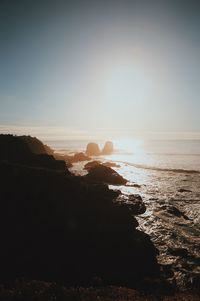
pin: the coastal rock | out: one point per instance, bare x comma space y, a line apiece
133, 185
134, 202
78, 157
175, 211
182, 252
36, 146
111, 164
92, 149
184, 190
108, 148
104, 174
91, 164
96, 162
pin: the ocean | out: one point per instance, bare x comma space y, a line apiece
151, 154
166, 173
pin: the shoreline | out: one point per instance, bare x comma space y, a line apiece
124, 222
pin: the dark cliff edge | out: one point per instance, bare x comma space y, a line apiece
59, 227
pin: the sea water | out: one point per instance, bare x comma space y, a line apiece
167, 174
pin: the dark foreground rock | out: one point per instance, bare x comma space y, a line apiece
55, 226
104, 174
92, 149
91, 164
134, 202
28, 151
25, 290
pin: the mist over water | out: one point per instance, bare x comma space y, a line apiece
153, 154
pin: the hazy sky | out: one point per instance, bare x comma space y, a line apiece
95, 66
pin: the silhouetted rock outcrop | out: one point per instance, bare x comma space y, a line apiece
96, 162
108, 148
57, 226
91, 164
28, 151
92, 149
36, 146
77, 157
104, 174
134, 202
111, 164
80, 157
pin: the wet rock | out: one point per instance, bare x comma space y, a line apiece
195, 281
91, 164
97, 162
110, 164
182, 252
108, 148
101, 173
136, 204
167, 270
80, 157
133, 185
175, 211
77, 157
184, 190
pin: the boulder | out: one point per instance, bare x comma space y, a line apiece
28, 151
133, 185
80, 157
134, 203
184, 190
91, 164
97, 162
111, 164
92, 149
104, 174
108, 148
69, 159
181, 252
176, 212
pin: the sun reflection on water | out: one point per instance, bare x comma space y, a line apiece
131, 151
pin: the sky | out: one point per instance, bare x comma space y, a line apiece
96, 68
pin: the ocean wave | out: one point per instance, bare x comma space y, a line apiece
175, 170
119, 152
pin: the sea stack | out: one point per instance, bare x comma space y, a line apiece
108, 148
92, 149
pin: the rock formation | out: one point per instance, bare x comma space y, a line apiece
92, 149
91, 164
28, 151
104, 174
56, 226
108, 148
